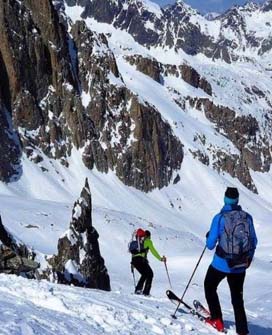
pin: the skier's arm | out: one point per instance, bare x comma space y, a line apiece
253, 237
149, 244
213, 233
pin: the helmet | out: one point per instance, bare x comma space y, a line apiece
140, 232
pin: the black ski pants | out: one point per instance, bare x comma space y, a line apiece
145, 281
236, 283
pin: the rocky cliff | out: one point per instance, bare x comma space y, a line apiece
15, 256
79, 261
62, 89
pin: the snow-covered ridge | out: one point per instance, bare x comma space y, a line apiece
211, 16
168, 26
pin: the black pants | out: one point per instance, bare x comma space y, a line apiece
236, 283
142, 266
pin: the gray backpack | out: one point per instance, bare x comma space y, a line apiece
235, 243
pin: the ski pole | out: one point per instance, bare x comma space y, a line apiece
181, 299
132, 270
168, 274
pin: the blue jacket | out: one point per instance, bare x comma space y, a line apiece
216, 230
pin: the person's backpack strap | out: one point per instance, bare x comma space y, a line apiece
219, 251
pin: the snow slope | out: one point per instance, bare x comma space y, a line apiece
30, 307
177, 216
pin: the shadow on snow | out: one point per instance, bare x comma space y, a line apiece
253, 329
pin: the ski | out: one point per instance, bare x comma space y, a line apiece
174, 298
198, 310
201, 309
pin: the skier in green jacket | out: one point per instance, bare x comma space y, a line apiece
140, 262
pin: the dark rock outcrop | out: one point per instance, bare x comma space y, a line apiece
15, 257
10, 151
192, 77
236, 167
35, 56
148, 66
64, 90
245, 133
155, 70
267, 6
79, 261
123, 134
189, 75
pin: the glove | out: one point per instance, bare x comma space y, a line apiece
163, 259
207, 235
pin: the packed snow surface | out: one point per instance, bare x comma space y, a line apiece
177, 216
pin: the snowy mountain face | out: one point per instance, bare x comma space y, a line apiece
179, 26
75, 97
74, 89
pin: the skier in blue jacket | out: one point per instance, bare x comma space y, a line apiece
221, 268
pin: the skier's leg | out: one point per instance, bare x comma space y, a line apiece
212, 280
139, 264
149, 278
236, 283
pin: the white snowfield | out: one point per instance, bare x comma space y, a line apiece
30, 307
177, 216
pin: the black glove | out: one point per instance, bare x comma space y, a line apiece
207, 235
